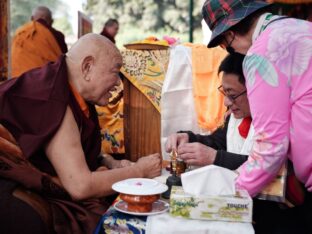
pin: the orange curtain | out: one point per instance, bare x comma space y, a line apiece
208, 101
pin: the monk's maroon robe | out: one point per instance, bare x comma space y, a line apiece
32, 109
59, 36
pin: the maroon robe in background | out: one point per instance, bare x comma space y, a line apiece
59, 37
32, 109
106, 34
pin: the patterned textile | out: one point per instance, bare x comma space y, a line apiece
114, 222
278, 69
112, 130
290, 1
235, 143
220, 15
146, 70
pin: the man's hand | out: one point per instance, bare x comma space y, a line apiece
175, 140
150, 165
196, 154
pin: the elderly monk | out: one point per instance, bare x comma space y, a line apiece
36, 42
50, 142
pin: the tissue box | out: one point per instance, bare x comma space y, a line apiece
223, 208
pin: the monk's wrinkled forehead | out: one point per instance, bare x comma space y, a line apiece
111, 53
95, 45
115, 60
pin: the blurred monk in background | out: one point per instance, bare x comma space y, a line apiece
36, 42
110, 29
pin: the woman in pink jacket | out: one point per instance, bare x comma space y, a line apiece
278, 71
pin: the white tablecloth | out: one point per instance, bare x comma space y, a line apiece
166, 224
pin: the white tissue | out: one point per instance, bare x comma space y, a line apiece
209, 180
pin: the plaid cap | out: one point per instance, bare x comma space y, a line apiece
220, 15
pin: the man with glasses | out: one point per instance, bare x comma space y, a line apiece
200, 150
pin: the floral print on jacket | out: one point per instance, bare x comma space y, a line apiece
278, 71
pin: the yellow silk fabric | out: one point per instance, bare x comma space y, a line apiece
112, 125
146, 70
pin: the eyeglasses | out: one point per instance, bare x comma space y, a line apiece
232, 98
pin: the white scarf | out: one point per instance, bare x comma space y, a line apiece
235, 143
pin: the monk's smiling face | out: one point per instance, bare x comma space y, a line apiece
105, 79
93, 64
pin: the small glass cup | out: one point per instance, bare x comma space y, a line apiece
181, 167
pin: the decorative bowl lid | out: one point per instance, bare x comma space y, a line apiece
139, 186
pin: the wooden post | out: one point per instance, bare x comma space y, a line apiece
191, 26
4, 39
141, 124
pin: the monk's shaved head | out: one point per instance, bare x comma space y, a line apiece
42, 12
95, 45
93, 65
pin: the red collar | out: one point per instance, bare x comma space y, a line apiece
244, 126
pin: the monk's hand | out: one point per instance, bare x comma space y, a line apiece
150, 166
174, 140
102, 168
196, 154
112, 163
124, 163
120, 163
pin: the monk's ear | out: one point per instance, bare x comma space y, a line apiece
86, 66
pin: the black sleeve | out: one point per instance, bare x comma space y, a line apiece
229, 160
217, 141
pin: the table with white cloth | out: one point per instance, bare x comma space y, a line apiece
114, 221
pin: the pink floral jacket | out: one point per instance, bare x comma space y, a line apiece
278, 71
